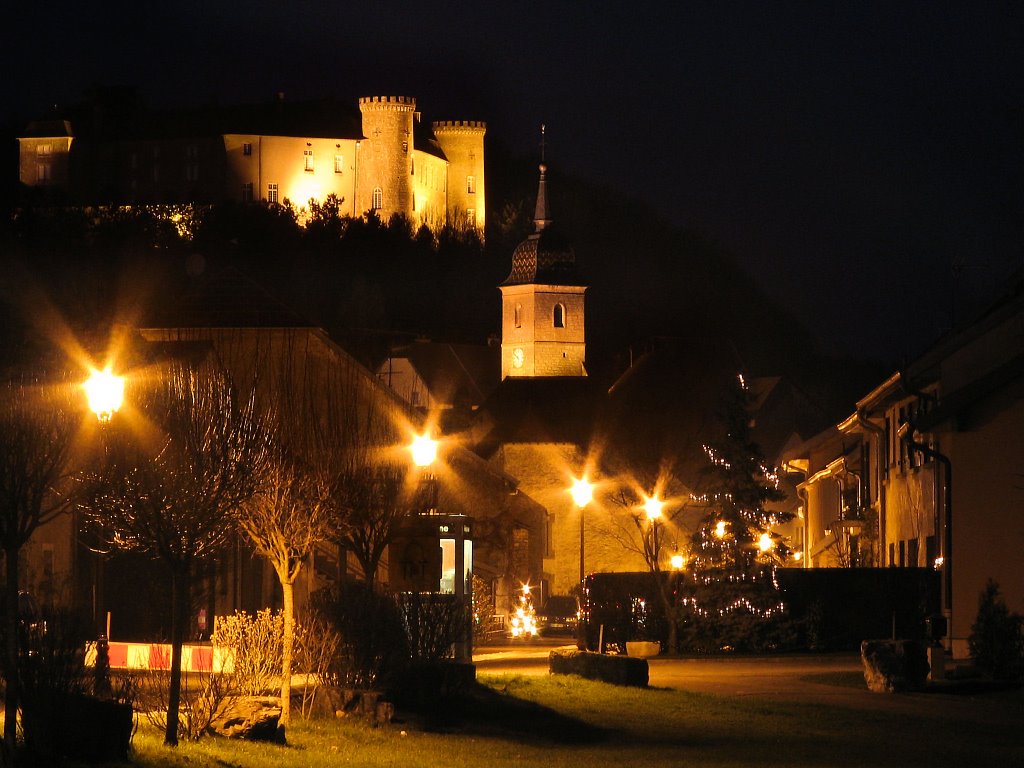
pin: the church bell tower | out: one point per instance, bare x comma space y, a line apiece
542, 318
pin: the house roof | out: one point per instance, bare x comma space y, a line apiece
47, 128
551, 409
459, 374
227, 299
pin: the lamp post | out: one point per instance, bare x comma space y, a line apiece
104, 393
454, 534
582, 494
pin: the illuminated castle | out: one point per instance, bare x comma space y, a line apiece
382, 158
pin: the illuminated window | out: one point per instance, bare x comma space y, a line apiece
247, 149
247, 192
378, 199
471, 184
519, 316
471, 217
44, 149
339, 164
271, 193
559, 316
43, 172
405, 146
307, 155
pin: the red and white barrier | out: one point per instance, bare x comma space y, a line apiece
194, 658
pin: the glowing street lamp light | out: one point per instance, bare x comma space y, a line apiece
678, 561
653, 507
720, 529
766, 542
424, 451
582, 494
105, 393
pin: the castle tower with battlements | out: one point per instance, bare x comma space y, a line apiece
385, 156
462, 142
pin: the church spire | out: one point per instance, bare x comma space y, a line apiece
541, 214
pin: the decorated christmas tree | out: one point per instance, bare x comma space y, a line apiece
731, 600
524, 618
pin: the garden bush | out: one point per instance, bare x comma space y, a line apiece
997, 637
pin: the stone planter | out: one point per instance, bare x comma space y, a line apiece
643, 649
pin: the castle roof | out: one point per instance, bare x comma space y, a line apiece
545, 257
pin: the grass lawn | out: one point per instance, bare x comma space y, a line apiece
561, 721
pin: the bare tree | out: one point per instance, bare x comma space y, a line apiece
284, 520
647, 537
38, 425
174, 481
372, 503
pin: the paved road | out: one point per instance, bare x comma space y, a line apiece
808, 679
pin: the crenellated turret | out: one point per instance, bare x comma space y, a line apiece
462, 142
384, 156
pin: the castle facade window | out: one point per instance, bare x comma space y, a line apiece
339, 164
471, 184
271, 193
247, 192
307, 155
377, 199
559, 316
247, 149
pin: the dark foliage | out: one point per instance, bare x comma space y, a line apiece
373, 642
997, 637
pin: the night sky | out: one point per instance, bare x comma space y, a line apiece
854, 157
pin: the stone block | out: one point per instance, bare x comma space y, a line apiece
891, 666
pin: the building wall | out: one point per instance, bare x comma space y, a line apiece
545, 472
281, 160
988, 512
43, 162
430, 187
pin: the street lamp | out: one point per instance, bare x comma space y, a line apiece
424, 453
582, 494
105, 393
653, 507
